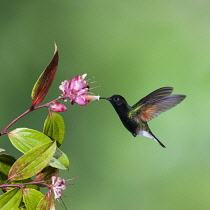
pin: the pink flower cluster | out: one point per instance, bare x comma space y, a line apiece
58, 186
76, 90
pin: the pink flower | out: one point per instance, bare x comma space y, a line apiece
58, 186
76, 90
57, 107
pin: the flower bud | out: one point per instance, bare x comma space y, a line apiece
57, 107
53, 178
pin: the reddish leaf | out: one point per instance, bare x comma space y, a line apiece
47, 202
46, 174
45, 80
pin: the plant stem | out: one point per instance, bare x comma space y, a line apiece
23, 184
4, 131
15, 120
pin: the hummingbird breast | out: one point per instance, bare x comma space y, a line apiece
130, 123
125, 113
131, 126
138, 126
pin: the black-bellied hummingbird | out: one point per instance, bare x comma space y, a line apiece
135, 117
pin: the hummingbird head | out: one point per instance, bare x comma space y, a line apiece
116, 100
122, 108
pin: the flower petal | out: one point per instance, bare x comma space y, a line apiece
83, 91
83, 76
64, 86
72, 84
81, 101
89, 98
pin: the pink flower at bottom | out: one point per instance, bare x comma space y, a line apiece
58, 186
76, 90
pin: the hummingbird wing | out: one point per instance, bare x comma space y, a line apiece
156, 103
155, 95
155, 107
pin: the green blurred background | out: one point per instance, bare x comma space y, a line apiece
130, 48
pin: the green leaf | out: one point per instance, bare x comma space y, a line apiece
59, 160
46, 174
32, 162
25, 139
45, 80
47, 202
31, 198
11, 199
6, 162
54, 127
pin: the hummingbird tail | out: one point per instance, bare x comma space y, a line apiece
162, 145
156, 139
149, 134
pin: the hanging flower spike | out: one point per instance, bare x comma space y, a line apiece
58, 107
58, 186
76, 90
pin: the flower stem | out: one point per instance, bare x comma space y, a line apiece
23, 184
14, 121
4, 131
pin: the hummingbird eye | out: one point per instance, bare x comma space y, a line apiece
116, 99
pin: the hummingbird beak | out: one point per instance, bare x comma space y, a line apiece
105, 98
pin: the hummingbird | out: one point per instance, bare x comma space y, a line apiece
135, 117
